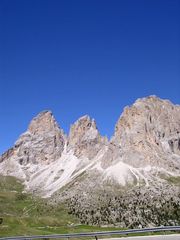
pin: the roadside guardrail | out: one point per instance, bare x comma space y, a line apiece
95, 234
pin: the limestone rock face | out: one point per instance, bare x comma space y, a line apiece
8, 154
144, 147
43, 142
132, 180
43, 123
149, 119
147, 134
85, 139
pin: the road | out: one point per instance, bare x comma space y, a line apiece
163, 237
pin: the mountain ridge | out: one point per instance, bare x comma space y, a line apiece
141, 158
138, 131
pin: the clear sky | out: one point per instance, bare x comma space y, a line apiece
84, 57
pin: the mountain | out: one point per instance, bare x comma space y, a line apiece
132, 180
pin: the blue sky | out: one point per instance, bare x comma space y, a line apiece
84, 57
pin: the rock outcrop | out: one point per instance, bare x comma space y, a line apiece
142, 159
135, 208
42, 143
147, 134
85, 139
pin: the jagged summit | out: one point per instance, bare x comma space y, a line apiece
84, 168
85, 138
43, 113
153, 98
42, 142
150, 98
150, 110
146, 141
43, 122
84, 117
148, 132
81, 126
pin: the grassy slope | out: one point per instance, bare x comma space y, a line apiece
24, 214
174, 180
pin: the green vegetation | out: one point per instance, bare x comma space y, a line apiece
171, 179
24, 214
174, 180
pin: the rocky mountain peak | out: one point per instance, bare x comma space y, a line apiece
42, 143
42, 123
145, 147
82, 128
149, 114
150, 99
85, 138
150, 127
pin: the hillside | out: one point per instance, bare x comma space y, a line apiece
131, 180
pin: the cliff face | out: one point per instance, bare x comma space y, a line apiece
144, 147
150, 122
147, 134
43, 142
132, 180
85, 139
